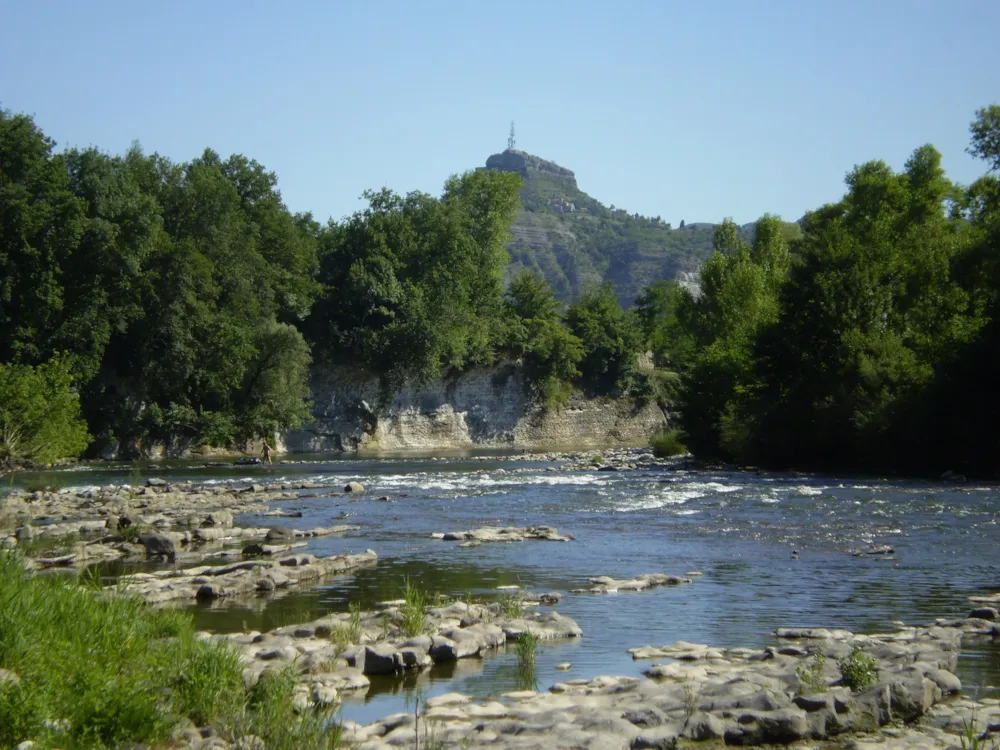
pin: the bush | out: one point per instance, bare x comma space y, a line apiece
858, 669
668, 443
40, 413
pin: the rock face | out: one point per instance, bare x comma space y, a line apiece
486, 407
528, 165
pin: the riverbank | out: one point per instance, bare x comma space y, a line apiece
279, 689
609, 550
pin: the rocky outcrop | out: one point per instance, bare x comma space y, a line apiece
485, 408
206, 583
503, 534
527, 166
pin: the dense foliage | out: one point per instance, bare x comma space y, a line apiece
182, 304
871, 342
40, 417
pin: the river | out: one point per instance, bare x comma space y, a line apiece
773, 550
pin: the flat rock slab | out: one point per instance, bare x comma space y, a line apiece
504, 534
609, 585
239, 579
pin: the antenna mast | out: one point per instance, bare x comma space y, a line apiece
510, 138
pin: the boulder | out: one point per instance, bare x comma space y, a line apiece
354, 487
379, 659
984, 613
158, 545
280, 533
221, 518
24, 533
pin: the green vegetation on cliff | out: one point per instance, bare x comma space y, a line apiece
178, 305
182, 304
575, 242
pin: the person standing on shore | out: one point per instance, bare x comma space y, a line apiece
266, 452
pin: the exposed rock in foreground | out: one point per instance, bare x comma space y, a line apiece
503, 534
739, 696
338, 652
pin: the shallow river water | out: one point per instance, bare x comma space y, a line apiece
740, 530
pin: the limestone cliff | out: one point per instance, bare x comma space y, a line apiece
482, 408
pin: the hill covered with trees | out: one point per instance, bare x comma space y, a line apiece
574, 242
149, 303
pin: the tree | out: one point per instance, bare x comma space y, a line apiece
535, 334
869, 310
39, 413
740, 284
41, 223
656, 310
611, 341
412, 284
985, 131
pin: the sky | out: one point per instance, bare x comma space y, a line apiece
694, 110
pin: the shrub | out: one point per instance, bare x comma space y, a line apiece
811, 676
668, 443
858, 669
40, 413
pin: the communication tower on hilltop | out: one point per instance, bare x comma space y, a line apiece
510, 138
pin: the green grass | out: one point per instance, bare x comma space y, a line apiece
972, 740
668, 443
348, 634
526, 647
100, 671
512, 605
414, 610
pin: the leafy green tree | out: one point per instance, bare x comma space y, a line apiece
611, 341
656, 310
412, 284
550, 352
869, 309
41, 222
40, 417
740, 284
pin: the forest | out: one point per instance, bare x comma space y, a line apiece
871, 343
144, 301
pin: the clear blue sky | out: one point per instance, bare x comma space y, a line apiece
691, 110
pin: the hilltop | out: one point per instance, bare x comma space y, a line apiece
572, 239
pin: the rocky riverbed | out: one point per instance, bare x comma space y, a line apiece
775, 550
822, 687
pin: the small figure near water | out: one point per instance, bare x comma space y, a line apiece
266, 452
